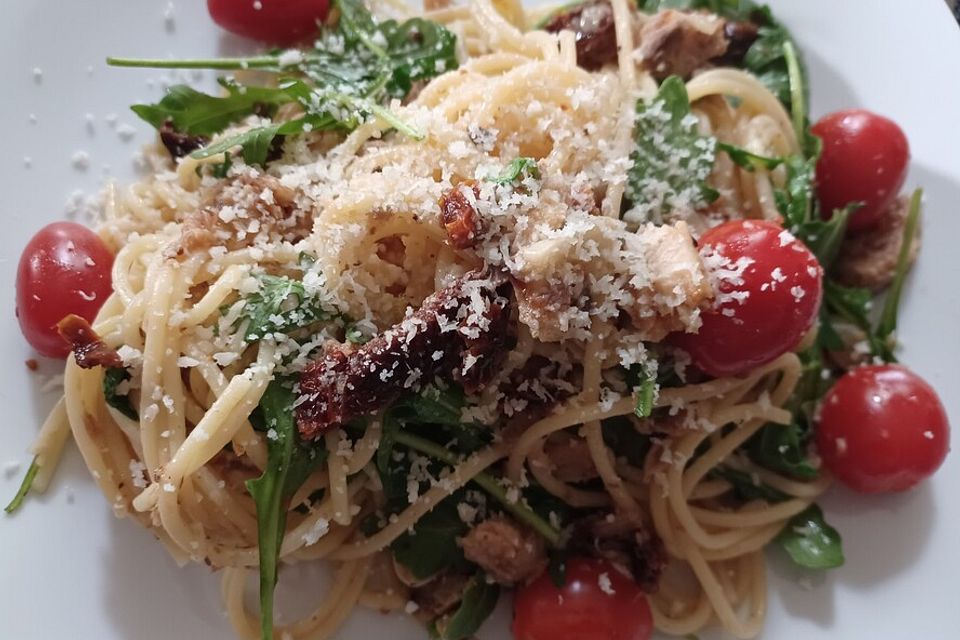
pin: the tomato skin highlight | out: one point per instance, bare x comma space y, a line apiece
882, 428
281, 22
64, 269
582, 609
779, 297
864, 160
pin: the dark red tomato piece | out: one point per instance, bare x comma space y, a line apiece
283, 22
769, 287
597, 602
864, 160
882, 428
64, 269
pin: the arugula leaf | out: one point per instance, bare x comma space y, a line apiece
390, 426
488, 483
354, 335
479, 600
726, 8
354, 68
415, 50
196, 113
434, 405
671, 161
747, 159
646, 394
557, 568
783, 448
289, 463
432, 545
622, 438
255, 144
745, 487
888, 317
825, 237
112, 378
853, 305
518, 170
796, 200
24, 488
811, 542
281, 305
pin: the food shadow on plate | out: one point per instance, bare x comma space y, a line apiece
234, 46
829, 90
148, 597
882, 537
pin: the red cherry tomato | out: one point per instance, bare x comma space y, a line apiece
597, 602
864, 160
882, 428
64, 269
272, 21
769, 293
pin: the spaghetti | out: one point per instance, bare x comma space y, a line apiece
363, 207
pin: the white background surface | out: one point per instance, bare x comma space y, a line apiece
70, 570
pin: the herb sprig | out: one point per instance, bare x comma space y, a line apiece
289, 463
353, 69
280, 305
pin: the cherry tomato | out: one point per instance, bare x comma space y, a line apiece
597, 602
64, 269
882, 428
864, 160
282, 22
769, 287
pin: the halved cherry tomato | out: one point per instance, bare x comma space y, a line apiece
597, 602
769, 288
864, 160
64, 269
882, 428
281, 22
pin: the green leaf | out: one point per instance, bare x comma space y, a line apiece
112, 377
432, 545
557, 568
289, 463
478, 603
196, 113
624, 440
24, 488
354, 335
796, 200
281, 305
746, 487
784, 449
888, 317
825, 237
798, 86
671, 161
811, 542
390, 426
646, 394
517, 508
853, 305
355, 68
738, 9
517, 171
748, 160
434, 405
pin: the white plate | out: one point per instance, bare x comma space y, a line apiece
70, 570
